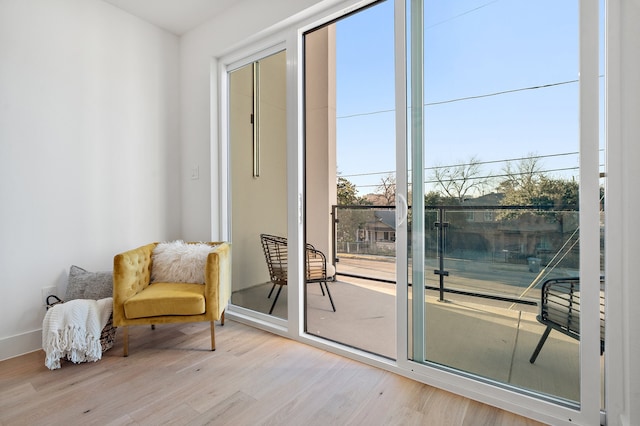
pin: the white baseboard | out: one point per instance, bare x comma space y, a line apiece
20, 344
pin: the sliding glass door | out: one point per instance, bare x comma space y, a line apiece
504, 234
444, 159
491, 216
350, 178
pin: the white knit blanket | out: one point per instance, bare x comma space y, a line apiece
72, 330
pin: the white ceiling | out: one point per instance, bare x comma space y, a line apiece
177, 16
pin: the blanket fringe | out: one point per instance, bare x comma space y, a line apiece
72, 330
72, 343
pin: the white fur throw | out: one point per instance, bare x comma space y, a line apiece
179, 262
72, 330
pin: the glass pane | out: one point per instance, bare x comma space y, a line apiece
501, 183
350, 179
257, 146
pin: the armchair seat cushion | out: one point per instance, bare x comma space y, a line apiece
160, 299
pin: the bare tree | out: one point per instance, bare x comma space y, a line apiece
523, 177
387, 189
459, 181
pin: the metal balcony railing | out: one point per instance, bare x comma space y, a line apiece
468, 242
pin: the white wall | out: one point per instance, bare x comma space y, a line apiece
89, 148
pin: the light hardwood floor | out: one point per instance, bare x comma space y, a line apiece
253, 378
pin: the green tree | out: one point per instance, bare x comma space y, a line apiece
526, 185
559, 194
435, 198
349, 220
347, 192
432, 198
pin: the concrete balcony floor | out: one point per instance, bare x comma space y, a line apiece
488, 338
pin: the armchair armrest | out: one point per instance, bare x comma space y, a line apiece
131, 274
217, 278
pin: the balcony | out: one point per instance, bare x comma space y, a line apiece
483, 274
490, 338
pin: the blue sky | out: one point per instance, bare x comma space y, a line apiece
472, 48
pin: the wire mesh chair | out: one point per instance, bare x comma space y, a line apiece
317, 270
560, 310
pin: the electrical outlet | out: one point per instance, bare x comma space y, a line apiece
46, 292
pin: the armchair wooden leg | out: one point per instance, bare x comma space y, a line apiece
222, 319
125, 337
213, 336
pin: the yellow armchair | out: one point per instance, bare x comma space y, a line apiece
137, 301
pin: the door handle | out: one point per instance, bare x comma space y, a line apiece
401, 209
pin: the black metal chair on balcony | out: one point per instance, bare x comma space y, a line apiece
317, 270
560, 310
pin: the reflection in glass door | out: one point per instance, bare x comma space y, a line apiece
350, 178
257, 152
494, 186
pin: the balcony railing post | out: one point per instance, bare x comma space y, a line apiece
440, 225
334, 234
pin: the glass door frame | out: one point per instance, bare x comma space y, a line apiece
289, 34
226, 65
512, 398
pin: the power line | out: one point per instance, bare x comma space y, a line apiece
490, 176
460, 14
479, 177
466, 98
544, 86
484, 177
505, 160
564, 169
465, 164
504, 175
426, 28
366, 113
